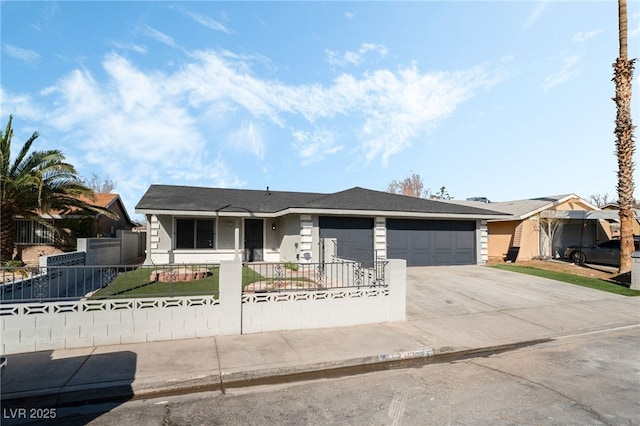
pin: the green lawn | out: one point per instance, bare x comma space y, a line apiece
571, 279
137, 283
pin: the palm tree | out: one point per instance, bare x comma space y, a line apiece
623, 74
36, 182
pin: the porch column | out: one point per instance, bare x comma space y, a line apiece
236, 239
147, 242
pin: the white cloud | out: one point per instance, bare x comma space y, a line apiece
21, 54
249, 139
400, 108
19, 105
208, 22
203, 20
569, 70
154, 126
355, 58
534, 14
131, 46
582, 36
160, 37
314, 146
134, 124
390, 109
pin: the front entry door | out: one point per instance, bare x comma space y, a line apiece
253, 240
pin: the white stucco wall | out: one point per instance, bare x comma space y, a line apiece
46, 326
29, 327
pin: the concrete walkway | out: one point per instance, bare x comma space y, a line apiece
449, 310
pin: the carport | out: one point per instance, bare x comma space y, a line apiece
578, 228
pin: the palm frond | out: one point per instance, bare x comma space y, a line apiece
40, 182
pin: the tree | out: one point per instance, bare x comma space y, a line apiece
623, 75
36, 182
443, 194
411, 186
105, 186
600, 200
549, 224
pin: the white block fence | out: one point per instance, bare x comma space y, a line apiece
30, 327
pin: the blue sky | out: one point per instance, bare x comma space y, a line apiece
503, 99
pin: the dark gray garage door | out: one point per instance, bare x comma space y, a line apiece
354, 236
431, 242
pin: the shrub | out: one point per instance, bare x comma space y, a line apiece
291, 266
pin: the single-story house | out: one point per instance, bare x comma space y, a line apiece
524, 235
615, 226
34, 239
203, 225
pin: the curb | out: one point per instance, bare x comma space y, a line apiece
123, 390
322, 369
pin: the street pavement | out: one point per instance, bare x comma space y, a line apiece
451, 311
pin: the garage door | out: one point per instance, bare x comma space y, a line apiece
431, 242
354, 236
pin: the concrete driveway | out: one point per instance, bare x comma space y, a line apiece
478, 305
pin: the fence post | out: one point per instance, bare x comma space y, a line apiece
635, 270
395, 274
230, 297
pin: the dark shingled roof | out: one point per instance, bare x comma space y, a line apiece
366, 199
189, 198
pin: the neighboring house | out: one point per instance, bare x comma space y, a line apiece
34, 239
615, 227
193, 224
525, 235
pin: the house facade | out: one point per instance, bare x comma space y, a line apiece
615, 228
209, 225
33, 239
544, 226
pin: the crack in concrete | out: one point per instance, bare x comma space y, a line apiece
542, 385
64, 385
222, 389
167, 414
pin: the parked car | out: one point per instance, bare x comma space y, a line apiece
606, 253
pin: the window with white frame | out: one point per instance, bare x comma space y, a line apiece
195, 233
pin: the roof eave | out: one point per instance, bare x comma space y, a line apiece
316, 211
204, 213
555, 203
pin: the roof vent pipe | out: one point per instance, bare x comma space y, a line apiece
268, 193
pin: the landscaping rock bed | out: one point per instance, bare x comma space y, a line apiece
181, 274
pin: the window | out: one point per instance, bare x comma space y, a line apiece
195, 233
611, 244
30, 232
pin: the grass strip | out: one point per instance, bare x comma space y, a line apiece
137, 283
594, 283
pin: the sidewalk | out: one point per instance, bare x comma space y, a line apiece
450, 311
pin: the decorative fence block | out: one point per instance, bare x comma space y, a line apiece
33, 326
